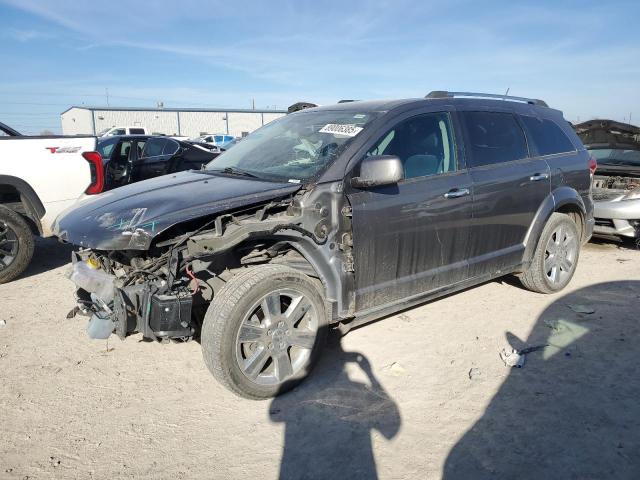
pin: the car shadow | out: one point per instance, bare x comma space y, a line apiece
329, 420
48, 254
622, 243
572, 411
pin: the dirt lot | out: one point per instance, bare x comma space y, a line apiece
423, 394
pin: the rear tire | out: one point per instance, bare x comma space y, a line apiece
556, 257
264, 330
16, 244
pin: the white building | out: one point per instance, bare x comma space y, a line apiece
190, 122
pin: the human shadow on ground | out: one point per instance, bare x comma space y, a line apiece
330, 418
573, 411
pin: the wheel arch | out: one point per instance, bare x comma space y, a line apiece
319, 259
18, 191
562, 200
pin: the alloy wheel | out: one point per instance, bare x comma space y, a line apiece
8, 246
276, 337
560, 254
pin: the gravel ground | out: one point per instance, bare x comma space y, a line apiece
423, 394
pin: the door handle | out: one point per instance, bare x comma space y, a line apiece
457, 193
538, 176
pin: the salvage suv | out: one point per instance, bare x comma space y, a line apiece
333, 216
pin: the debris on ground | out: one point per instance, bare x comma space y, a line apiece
404, 317
475, 374
512, 358
395, 369
581, 308
3, 323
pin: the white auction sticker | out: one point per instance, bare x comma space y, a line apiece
348, 130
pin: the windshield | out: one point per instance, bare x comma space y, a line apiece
614, 156
295, 147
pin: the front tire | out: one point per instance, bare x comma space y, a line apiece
16, 244
264, 330
556, 257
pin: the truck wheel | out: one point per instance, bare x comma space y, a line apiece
264, 330
16, 244
556, 256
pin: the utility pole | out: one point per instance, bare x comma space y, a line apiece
106, 90
253, 104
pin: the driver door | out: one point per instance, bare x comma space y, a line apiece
413, 237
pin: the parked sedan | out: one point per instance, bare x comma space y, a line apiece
616, 187
129, 159
222, 141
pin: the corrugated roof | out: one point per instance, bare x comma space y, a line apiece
142, 109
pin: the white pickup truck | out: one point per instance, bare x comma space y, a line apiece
40, 177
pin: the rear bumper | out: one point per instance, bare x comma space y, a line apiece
618, 217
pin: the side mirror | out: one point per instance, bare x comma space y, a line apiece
379, 170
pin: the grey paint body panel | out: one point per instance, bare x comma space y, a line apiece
130, 217
410, 243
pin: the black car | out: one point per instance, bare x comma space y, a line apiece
131, 158
334, 216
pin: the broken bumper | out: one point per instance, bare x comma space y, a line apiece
148, 308
617, 217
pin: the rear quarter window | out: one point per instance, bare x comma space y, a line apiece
547, 136
154, 147
137, 131
493, 137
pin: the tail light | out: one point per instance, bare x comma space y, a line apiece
97, 172
593, 165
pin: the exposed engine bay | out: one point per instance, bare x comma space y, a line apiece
609, 187
164, 292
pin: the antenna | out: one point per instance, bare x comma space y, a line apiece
106, 91
506, 93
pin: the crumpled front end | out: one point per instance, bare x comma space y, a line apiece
617, 205
117, 301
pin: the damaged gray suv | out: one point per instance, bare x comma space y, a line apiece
333, 216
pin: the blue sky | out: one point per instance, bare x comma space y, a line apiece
582, 57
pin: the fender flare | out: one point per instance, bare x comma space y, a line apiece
29, 198
328, 268
557, 199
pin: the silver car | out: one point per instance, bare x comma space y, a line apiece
616, 184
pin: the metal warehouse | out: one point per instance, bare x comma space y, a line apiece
189, 122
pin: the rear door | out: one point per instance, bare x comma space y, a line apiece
152, 163
509, 186
411, 238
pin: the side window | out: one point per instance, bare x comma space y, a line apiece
119, 131
140, 147
105, 147
137, 131
423, 143
124, 150
494, 137
547, 136
171, 147
154, 147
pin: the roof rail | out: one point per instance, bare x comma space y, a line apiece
445, 94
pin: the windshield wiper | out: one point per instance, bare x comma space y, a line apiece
236, 171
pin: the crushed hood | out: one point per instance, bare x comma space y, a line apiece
130, 217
